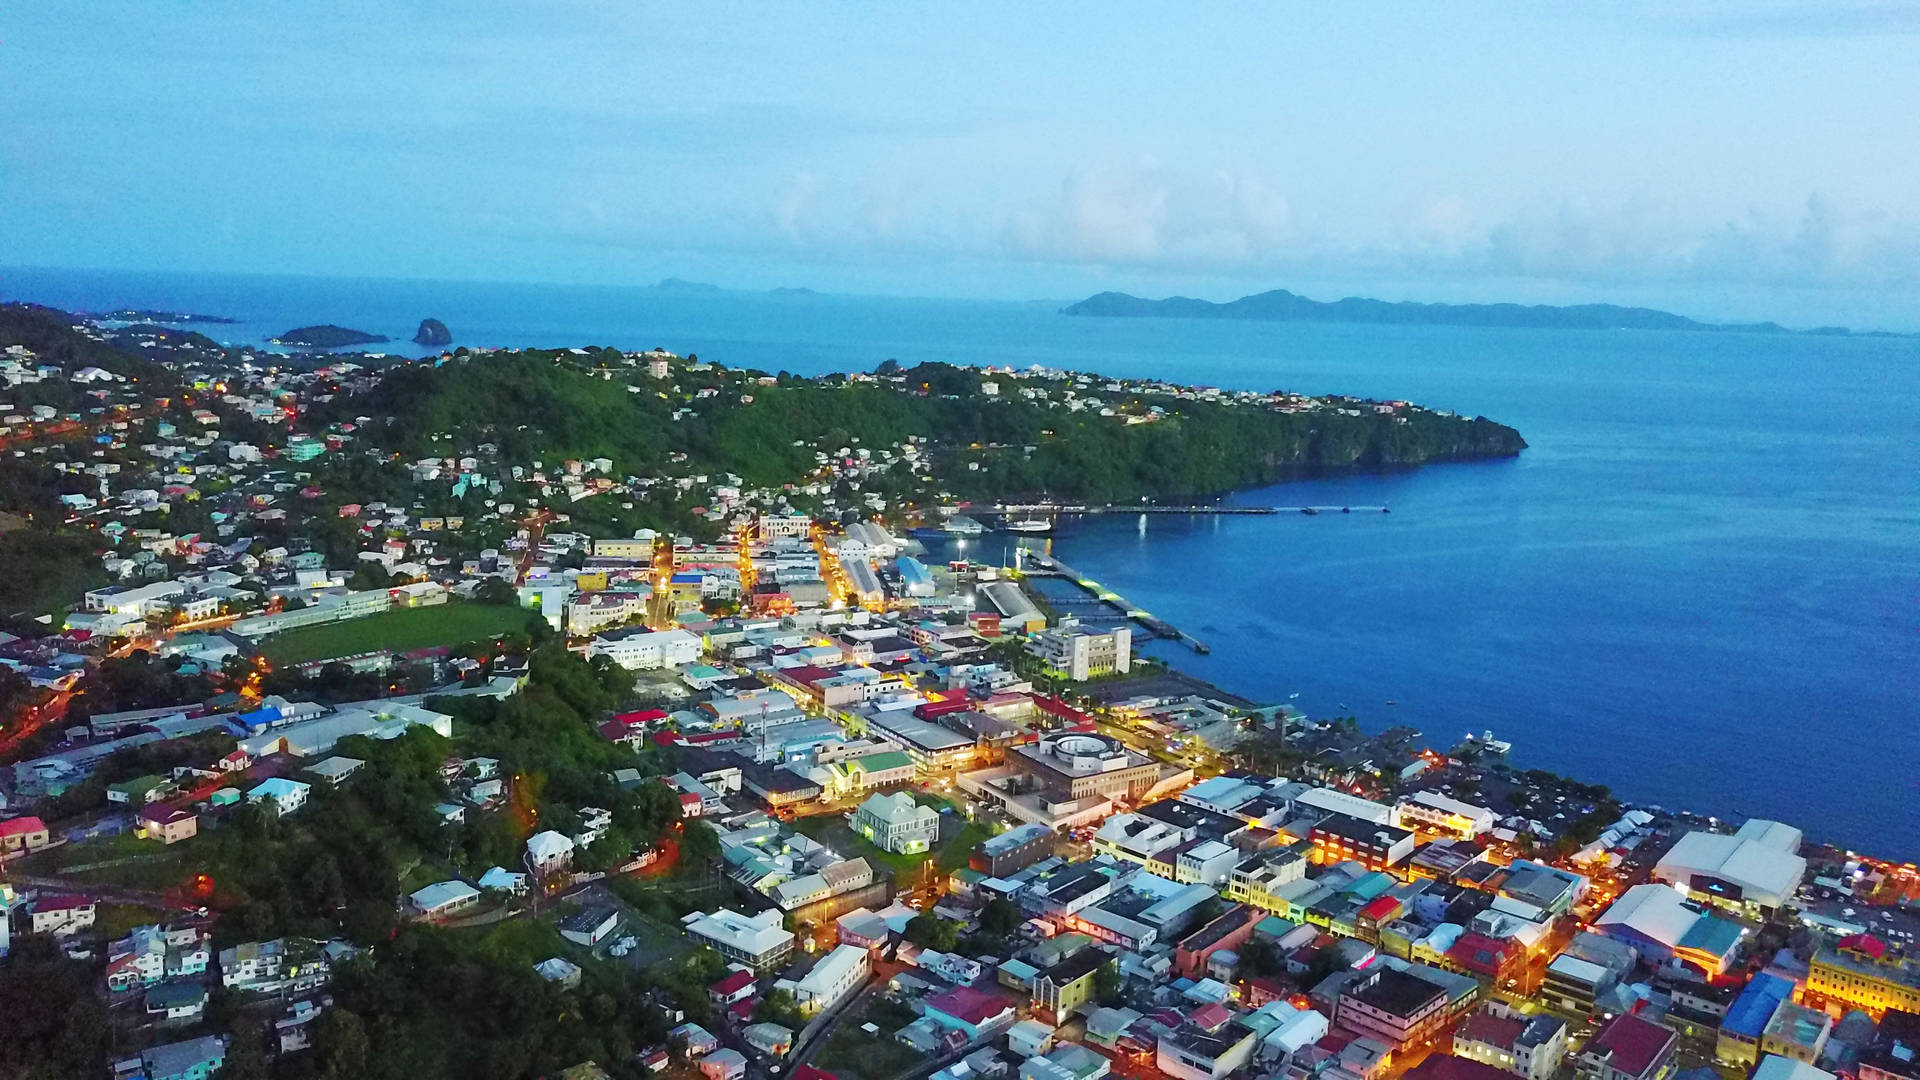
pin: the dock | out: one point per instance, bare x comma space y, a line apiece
1078, 510
1158, 627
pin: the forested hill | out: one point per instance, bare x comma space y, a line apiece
1280, 305
972, 434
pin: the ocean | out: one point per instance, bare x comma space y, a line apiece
1700, 586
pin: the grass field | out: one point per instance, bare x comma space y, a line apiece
399, 630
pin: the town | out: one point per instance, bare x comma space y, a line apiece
566, 714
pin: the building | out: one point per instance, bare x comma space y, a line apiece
194, 1059
1660, 925
757, 941
1780, 1068
1588, 968
1193, 1052
1747, 1018
640, 649
897, 823
1260, 880
1338, 838
1396, 1007
1062, 988
167, 824
838, 974
1528, 1046
1013, 850
1796, 1033
444, 899
1432, 812
1083, 765
1629, 1047
1754, 871
549, 852
1895, 1052
971, 1012
1864, 972
282, 795
61, 915
23, 834
590, 925
1081, 654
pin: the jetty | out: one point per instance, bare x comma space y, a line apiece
1048, 566
1078, 510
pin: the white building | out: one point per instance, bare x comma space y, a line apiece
1755, 870
1432, 812
549, 852
285, 796
758, 941
838, 974
896, 823
1084, 654
640, 649
444, 898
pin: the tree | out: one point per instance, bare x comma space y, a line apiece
1000, 917
933, 932
55, 1025
342, 1045
1259, 956
247, 1057
779, 1007
1107, 983
699, 844
495, 591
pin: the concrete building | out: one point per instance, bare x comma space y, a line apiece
1754, 871
758, 941
1084, 765
897, 823
1864, 972
1396, 1007
1193, 1052
1629, 1047
1434, 813
1013, 850
640, 649
1082, 654
838, 974
1498, 1035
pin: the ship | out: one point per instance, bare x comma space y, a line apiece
1028, 525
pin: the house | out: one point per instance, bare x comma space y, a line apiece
694, 1040
283, 795
1394, 1006
194, 1059
334, 771
294, 1031
23, 834
897, 823
61, 914
738, 986
177, 1001
504, 880
770, 1039
723, 1064
167, 824
559, 970
141, 790
1030, 1038
968, 1011
1628, 1047
549, 852
443, 899
838, 974
1528, 1046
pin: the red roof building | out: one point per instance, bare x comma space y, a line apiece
1865, 944
736, 987
1448, 1067
1629, 1047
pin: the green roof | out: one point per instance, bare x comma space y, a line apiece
892, 759
1712, 935
139, 785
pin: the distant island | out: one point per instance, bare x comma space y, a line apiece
150, 315
432, 332
327, 336
1280, 305
681, 285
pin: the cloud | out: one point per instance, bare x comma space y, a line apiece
1152, 218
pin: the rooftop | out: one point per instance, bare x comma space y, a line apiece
1632, 1044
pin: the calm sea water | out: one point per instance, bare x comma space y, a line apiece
1700, 586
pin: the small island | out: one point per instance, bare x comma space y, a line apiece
327, 336
432, 332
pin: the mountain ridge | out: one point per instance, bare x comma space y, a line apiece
1280, 305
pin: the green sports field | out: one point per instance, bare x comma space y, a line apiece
400, 630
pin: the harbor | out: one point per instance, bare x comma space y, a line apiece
1044, 565
1070, 510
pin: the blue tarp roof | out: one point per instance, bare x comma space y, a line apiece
1749, 1013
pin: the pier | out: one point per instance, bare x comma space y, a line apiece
1074, 510
1160, 628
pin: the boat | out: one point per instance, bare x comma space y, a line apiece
1308, 510
962, 525
1028, 525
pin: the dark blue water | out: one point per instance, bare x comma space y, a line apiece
1700, 586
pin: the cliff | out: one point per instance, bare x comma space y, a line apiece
432, 332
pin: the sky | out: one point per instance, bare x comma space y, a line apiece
1739, 161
